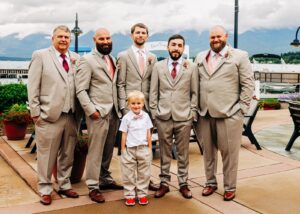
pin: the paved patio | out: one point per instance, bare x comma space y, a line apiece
268, 179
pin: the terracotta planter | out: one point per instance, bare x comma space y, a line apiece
78, 164
14, 131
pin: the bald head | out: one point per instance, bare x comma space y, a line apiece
219, 28
102, 40
217, 38
101, 31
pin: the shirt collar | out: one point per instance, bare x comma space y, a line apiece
179, 61
136, 50
58, 54
222, 53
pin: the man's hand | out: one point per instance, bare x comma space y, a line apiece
95, 115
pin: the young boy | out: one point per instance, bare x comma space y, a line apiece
136, 150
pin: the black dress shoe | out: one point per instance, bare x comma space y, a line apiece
68, 193
112, 185
153, 186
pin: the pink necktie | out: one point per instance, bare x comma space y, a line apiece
174, 71
213, 62
64, 62
141, 62
110, 66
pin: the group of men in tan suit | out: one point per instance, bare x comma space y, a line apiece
176, 93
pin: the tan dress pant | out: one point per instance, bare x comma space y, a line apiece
105, 174
55, 141
181, 131
224, 134
135, 167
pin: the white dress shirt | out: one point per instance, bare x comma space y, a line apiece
136, 129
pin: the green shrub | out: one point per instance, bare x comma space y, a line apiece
11, 94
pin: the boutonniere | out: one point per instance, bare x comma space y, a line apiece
150, 60
73, 60
185, 64
228, 55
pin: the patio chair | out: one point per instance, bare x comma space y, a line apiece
295, 114
248, 120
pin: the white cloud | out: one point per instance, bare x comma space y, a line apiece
32, 16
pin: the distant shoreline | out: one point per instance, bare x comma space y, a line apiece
4, 58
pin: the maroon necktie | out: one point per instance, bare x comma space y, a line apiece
64, 62
173, 72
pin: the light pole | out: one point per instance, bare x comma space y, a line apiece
236, 16
296, 42
77, 31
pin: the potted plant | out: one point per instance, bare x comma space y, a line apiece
269, 104
80, 153
15, 121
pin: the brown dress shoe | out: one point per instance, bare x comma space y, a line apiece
229, 195
153, 186
185, 192
208, 190
161, 191
46, 199
69, 193
96, 196
112, 185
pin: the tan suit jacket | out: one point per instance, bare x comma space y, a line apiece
51, 92
230, 88
94, 87
130, 79
176, 98
48, 84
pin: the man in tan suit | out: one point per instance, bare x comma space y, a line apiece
51, 94
173, 104
97, 92
226, 89
136, 64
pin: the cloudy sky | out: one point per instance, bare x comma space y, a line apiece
31, 16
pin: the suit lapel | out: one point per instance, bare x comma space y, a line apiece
133, 60
167, 73
205, 63
101, 61
58, 65
179, 74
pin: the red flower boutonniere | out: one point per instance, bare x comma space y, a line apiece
73, 60
185, 64
228, 55
151, 60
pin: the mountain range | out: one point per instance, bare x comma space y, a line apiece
275, 41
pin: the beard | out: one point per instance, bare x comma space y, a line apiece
175, 55
104, 49
139, 43
217, 47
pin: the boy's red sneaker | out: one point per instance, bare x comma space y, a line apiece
143, 201
130, 202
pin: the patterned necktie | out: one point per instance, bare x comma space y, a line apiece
64, 62
141, 62
110, 66
174, 71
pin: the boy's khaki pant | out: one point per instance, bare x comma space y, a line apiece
135, 168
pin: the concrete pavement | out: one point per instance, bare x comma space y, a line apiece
267, 179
